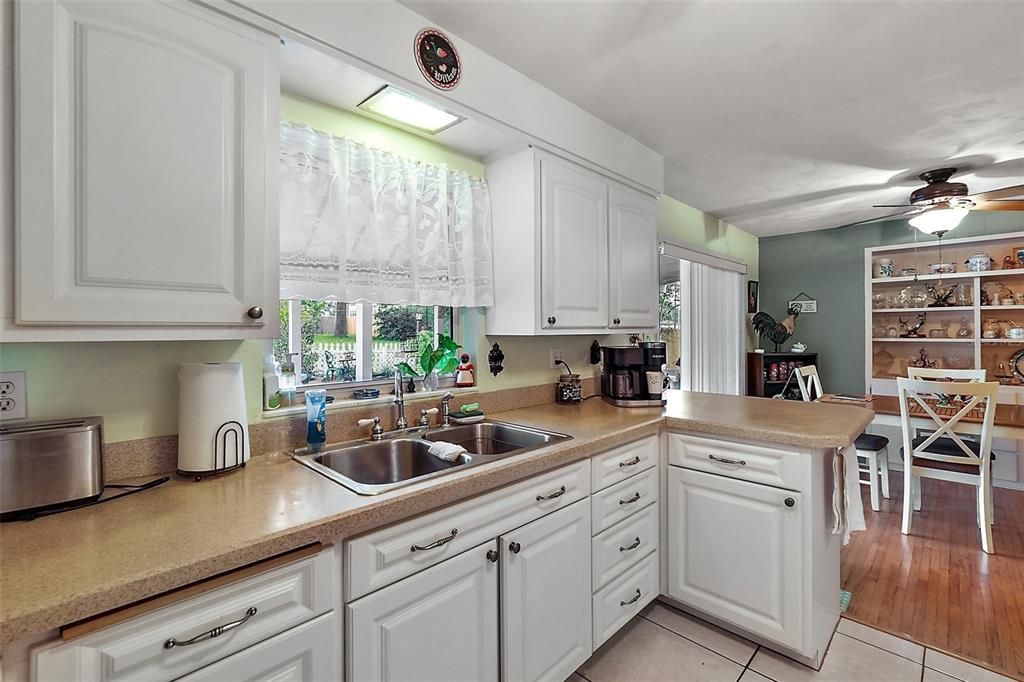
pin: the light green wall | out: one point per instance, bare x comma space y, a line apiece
685, 225
829, 266
133, 385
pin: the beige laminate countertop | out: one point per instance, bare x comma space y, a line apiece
62, 568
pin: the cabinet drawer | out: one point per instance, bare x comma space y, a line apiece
623, 499
307, 652
755, 463
622, 545
625, 597
622, 462
135, 649
384, 556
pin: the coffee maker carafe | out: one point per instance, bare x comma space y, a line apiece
626, 371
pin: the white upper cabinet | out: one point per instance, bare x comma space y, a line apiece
147, 169
632, 262
574, 251
574, 246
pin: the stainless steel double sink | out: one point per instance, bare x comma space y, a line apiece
402, 458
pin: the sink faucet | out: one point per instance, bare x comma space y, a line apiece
400, 422
446, 411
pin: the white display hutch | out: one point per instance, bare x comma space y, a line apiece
953, 352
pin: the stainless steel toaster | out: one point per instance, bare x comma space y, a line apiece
50, 464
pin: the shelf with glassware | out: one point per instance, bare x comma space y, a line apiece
955, 306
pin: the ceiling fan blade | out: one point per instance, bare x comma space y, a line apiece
884, 217
1004, 193
1000, 205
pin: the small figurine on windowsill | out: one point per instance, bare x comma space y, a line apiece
466, 375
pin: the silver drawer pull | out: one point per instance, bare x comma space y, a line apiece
216, 632
631, 462
634, 600
440, 543
636, 543
557, 493
636, 496
726, 460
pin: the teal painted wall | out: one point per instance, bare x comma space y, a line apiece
829, 266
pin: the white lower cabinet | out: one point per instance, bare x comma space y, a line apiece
545, 575
440, 624
736, 551
308, 653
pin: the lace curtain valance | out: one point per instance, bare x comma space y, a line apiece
361, 224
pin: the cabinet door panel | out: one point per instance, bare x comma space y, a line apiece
736, 550
546, 603
574, 250
147, 145
440, 624
632, 259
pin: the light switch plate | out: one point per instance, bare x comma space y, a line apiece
13, 404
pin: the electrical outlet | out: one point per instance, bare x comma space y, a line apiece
12, 396
556, 357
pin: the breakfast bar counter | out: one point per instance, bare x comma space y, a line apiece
63, 568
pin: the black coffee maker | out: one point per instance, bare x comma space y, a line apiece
624, 381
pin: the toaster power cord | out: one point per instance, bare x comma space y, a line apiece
129, 489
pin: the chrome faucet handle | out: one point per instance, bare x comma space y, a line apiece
377, 432
424, 420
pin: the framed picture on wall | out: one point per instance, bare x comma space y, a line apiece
751, 296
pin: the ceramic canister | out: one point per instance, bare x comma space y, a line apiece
886, 267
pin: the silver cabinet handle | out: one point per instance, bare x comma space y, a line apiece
636, 496
440, 543
215, 632
255, 312
790, 502
557, 493
634, 600
636, 543
726, 460
631, 462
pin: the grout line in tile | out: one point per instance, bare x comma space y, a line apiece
846, 634
690, 640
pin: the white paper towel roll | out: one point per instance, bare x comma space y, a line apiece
212, 429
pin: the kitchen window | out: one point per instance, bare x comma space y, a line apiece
334, 343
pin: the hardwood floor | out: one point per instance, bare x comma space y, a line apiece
935, 586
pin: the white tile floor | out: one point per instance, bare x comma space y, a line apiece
663, 644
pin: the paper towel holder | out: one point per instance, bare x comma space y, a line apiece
228, 432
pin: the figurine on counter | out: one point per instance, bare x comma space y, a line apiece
466, 373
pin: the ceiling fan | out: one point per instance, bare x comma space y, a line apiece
940, 205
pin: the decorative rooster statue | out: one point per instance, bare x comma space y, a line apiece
776, 332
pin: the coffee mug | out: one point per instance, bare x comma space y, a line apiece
655, 383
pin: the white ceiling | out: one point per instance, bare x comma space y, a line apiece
780, 117
318, 76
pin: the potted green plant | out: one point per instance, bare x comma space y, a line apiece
434, 361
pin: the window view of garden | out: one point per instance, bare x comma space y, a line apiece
327, 332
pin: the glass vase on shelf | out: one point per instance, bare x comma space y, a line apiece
965, 331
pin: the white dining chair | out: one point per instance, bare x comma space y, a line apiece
872, 449
944, 454
934, 373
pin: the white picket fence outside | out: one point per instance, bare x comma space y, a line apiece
385, 355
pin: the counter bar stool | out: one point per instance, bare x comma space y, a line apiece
944, 455
872, 450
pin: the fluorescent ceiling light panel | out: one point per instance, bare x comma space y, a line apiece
391, 103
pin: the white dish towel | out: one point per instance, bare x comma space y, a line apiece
847, 508
449, 452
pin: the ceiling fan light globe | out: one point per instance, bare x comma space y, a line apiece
938, 220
